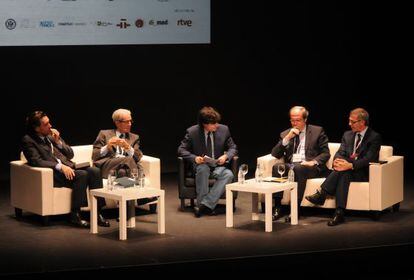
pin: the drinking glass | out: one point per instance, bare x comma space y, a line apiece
281, 169
134, 174
244, 168
111, 179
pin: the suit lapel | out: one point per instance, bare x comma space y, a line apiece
202, 140
364, 140
307, 138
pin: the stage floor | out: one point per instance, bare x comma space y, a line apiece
28, 248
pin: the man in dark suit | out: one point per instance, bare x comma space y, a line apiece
43, 147
359, 147
119, 147
306, 148
208, 146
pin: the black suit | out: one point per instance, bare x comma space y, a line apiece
38, 153
337, 183
316, 148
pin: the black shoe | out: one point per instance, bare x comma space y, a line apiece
277, 213
202, 210
339, 218
318, 198
75, 218
146, 200
102, 221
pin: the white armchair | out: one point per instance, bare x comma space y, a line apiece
384, 189
32, 187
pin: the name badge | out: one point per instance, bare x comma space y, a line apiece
296, 158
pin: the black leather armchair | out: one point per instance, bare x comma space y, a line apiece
186, 181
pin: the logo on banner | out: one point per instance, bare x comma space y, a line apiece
185, 22
103, 23
154, 22
123, 24
139, 23
47, 24
10, 24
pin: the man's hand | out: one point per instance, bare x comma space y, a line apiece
68, 172
292, 133
199, 160
308, 163
124, 144
221, 160
342, 165
113, 142
55, 135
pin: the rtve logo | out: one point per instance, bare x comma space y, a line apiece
183, 22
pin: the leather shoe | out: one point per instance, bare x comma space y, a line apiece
339, 218
75, 218
317, 198
277, 214
202, 210
102, 221
146, 200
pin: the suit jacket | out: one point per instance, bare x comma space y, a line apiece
39, 154
102, 140
194, 143
367, 152
316, 146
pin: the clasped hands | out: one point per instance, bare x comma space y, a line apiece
115, 141
340, 164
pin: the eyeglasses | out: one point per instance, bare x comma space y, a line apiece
126, 121
354, 122
296, 120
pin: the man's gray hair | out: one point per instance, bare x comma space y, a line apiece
303, 110
117, 114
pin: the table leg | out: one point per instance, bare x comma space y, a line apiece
94, 215
294, 206
122, 220
255, 206
161, 213
229, 208
268, 212
131, 214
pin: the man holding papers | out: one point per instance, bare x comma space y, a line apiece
208, 146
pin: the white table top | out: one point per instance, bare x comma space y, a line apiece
251, 185
127, 193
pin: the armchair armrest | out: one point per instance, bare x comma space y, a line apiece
386, 183
267, 162
31, 188
152, 170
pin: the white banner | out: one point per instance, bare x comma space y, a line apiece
104, 22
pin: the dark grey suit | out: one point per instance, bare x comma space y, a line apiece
193, 145
108, 161
337, 183
316, 148
39, 154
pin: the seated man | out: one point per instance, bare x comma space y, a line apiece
306, 147
43, 147
359, 147
208, 138
118, 149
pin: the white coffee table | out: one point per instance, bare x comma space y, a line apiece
268, 189
122, 196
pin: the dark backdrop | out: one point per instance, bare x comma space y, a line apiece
264, 58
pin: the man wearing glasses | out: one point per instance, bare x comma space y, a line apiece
303, 146
359, 147
117, 149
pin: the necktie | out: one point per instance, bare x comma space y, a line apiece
122, 136
209, 145
359, 137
